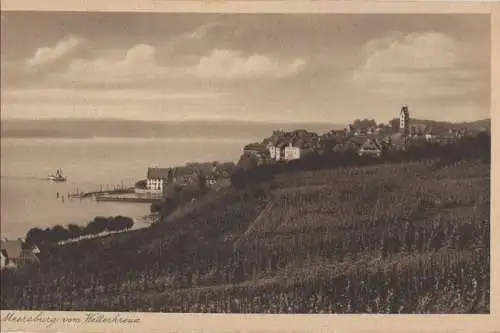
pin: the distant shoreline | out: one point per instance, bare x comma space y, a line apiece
200, 129
130, 138
88, 128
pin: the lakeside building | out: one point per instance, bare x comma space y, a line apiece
184, 176
17, 254
291, 145
157, 180
164, 182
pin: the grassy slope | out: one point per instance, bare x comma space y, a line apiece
333, 240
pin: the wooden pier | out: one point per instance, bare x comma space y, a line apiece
100, 193
117, 198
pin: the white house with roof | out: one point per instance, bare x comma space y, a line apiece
277, 151
184, 176
371, 147
157, 179
274, 151
291, 152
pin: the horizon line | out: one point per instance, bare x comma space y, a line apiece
224, 120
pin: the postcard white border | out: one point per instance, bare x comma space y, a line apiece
299, 323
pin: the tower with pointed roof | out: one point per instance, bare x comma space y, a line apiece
404, 120
404, 123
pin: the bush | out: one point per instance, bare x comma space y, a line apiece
141, 184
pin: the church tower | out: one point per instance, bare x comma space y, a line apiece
404, 121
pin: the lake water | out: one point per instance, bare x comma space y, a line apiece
28, 200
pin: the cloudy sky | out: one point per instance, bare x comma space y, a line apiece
267, 67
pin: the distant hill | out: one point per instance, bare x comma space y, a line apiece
88, 128
472, 126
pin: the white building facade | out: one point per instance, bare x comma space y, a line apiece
157, 179
275, 152
3, 260
292, 153
272, 151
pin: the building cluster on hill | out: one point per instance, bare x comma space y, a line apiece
284, 146
365, 137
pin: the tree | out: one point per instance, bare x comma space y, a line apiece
247, 161
238, 178
36, 236
364, 124
155, 207
119, 222
141, 184
394, 124
74, 230
58, 234
202, 184
96, 226
483, 142
128, 223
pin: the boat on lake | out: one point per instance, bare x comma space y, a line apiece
58, 177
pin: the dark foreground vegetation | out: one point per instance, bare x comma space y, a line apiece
392, 237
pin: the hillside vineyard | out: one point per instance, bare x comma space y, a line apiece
408, 237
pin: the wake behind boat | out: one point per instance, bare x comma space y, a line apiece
58, 177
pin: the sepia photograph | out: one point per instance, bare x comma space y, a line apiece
245, 163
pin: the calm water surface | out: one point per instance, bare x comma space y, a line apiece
28, 200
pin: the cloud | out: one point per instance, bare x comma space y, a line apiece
193, 41
62, 51
201, 31
139, 65
45, 61
425, 64
73, 61
229, 64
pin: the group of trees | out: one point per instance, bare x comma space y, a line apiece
364, 123
466, 148
58, 233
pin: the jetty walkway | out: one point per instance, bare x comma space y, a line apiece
101, 193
